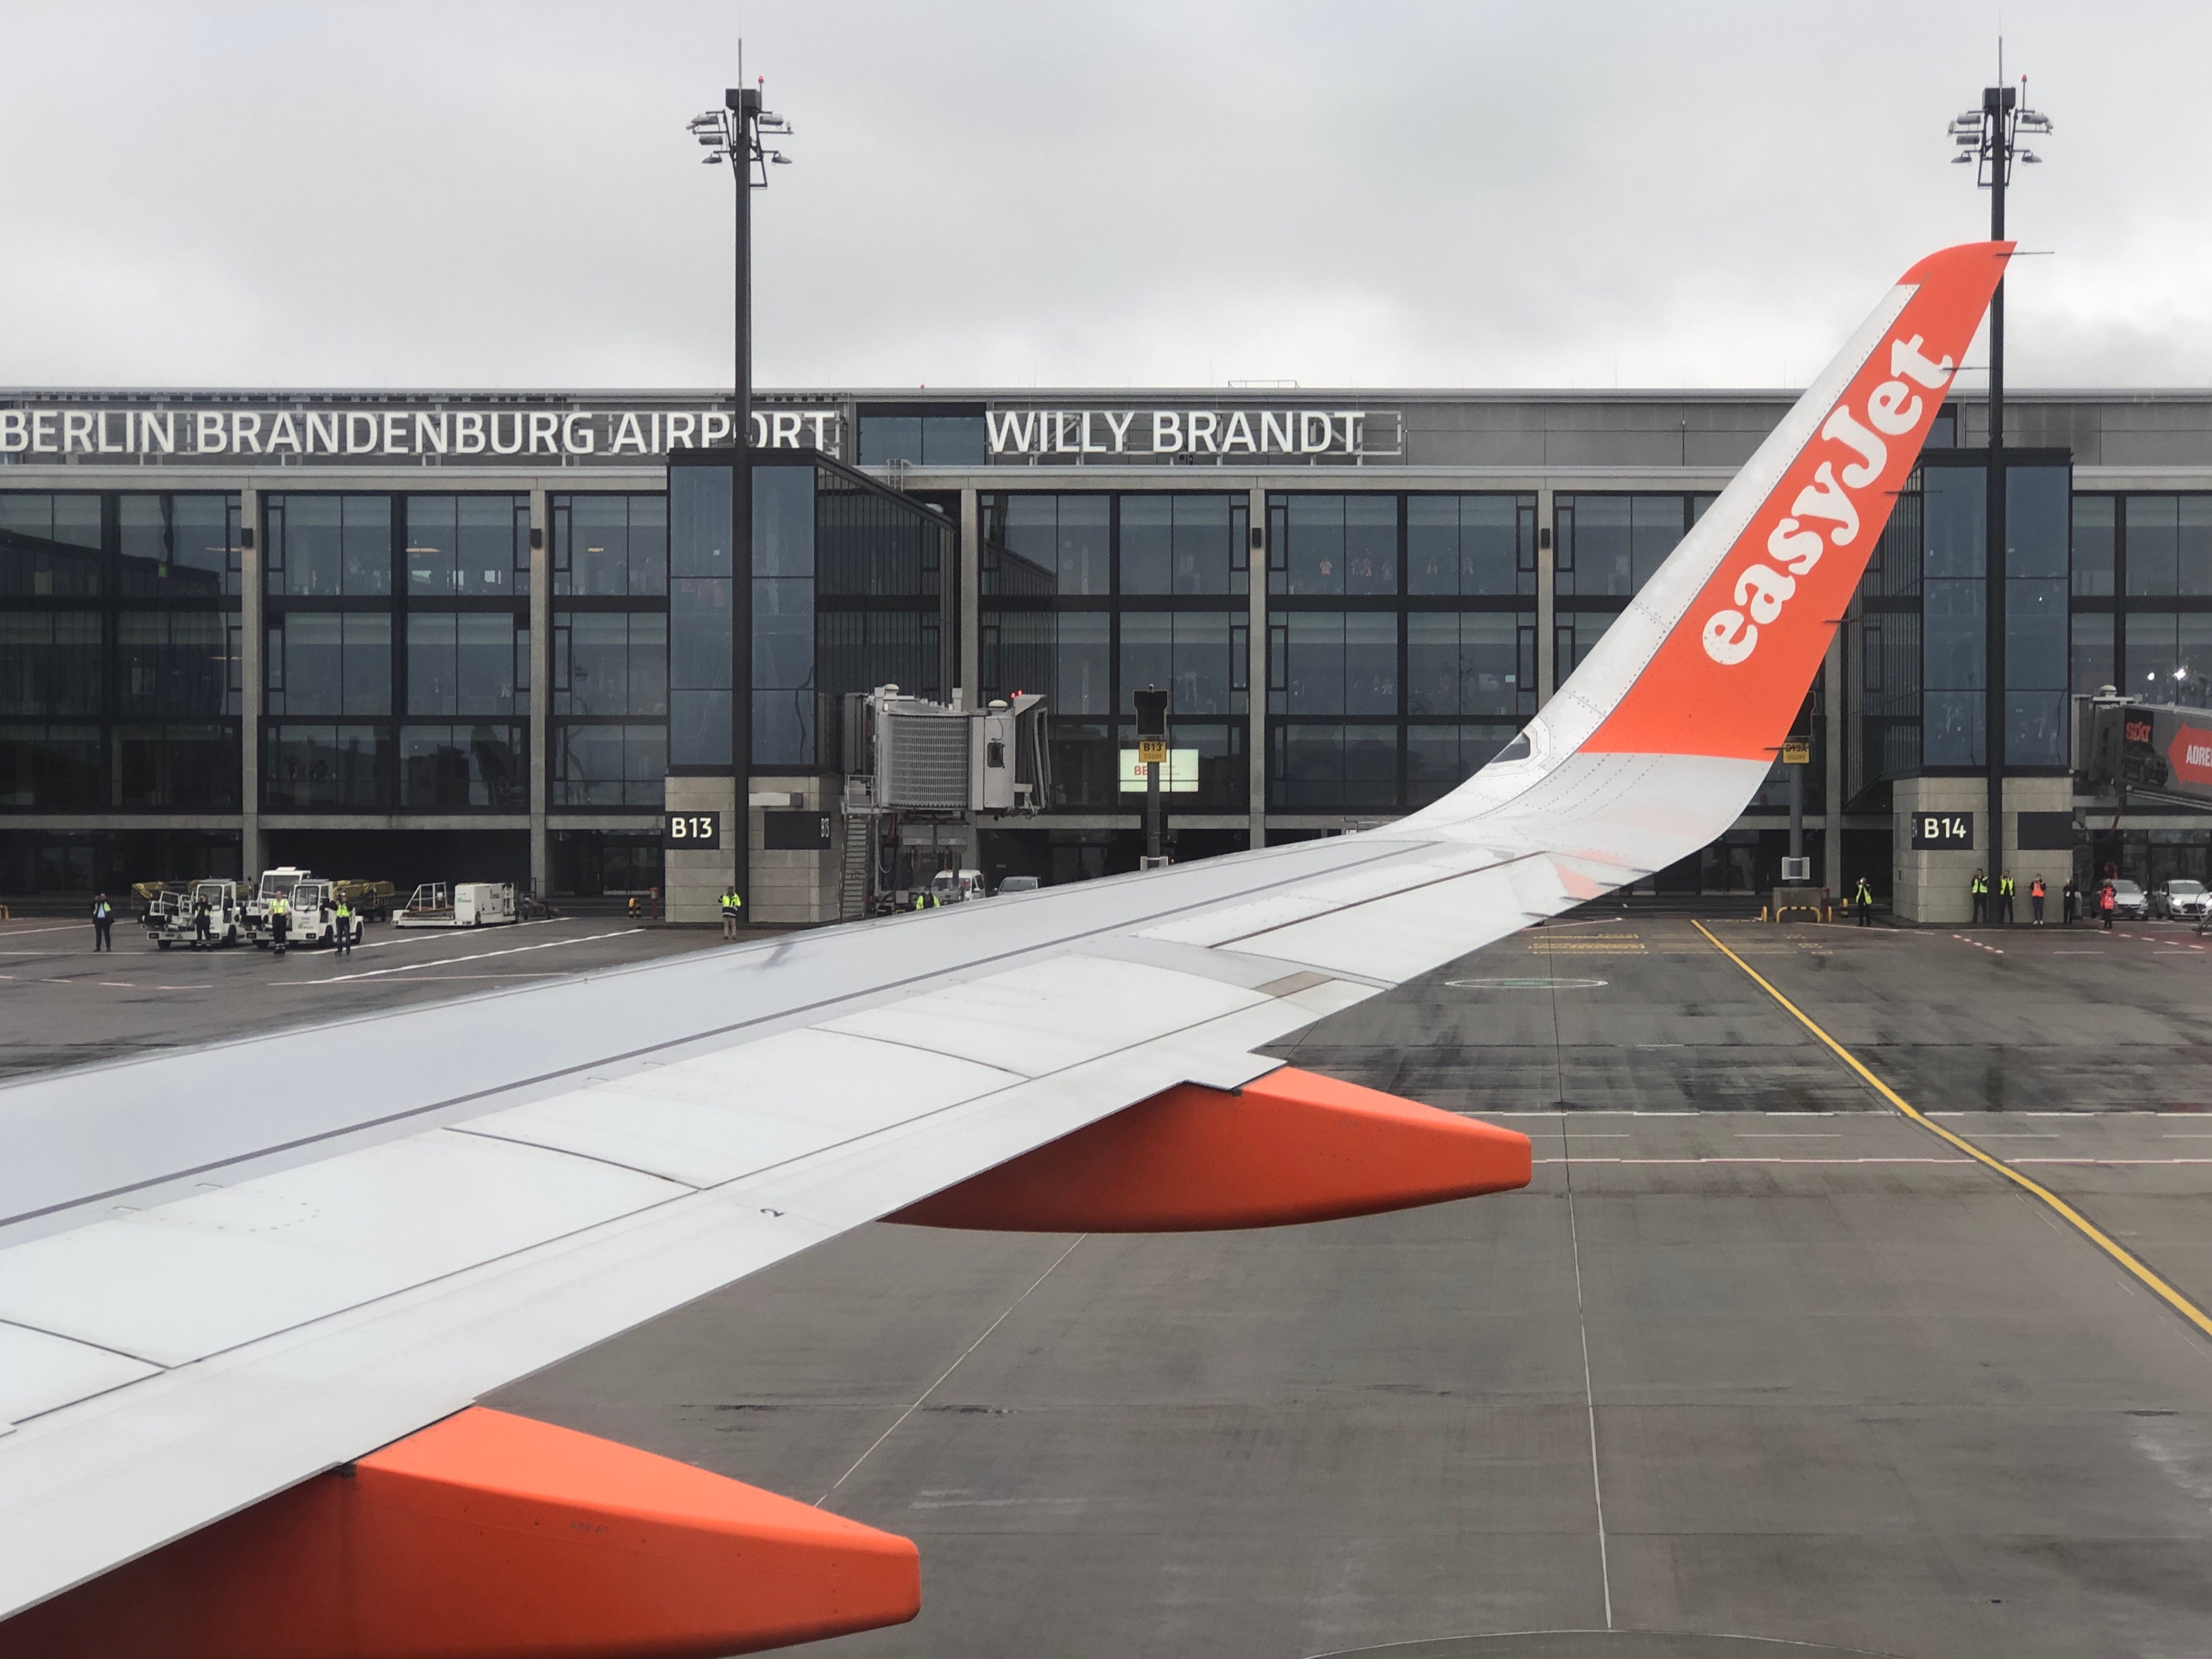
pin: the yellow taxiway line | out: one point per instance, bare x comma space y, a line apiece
2150, 1281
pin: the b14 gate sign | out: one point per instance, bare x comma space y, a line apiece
1942, 832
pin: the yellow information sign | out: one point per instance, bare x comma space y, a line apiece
1151, 751
1796, 751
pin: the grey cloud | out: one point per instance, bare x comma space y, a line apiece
503, 194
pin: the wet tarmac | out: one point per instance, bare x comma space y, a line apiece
1755, 1358
66, 1004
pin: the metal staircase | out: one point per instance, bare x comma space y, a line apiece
860, 847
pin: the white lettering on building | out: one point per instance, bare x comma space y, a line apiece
415, 434
1220, 432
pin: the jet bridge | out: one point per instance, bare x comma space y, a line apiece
917, 776
2154, 753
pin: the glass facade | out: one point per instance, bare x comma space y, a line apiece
447, 768
477, 545
119, 652
852, 587
1954, 629
1890, 650
1393, 647
701, 616
2037, 671
1922, 665
2141, 607
607, 740
950, 435
379, 609
1401, 644
1089, 598
1605, 547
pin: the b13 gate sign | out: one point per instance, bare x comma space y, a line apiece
691, 832
1951, 832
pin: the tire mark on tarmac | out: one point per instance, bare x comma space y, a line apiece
919, 1398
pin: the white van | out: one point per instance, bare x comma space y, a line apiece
956, 886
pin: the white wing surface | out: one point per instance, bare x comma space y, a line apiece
210, 1293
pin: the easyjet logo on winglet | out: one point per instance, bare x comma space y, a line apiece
1826, 512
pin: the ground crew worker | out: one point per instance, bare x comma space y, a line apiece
2035, 891
2004, 898
2069, 902
2107, 902
344, 938
1864, 899
731, 904
280, 923
1980, 890
103, 923
200, 923
633, 907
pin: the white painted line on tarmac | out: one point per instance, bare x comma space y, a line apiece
455, 979
1760, 1160
480, 956
433, 935
62, 927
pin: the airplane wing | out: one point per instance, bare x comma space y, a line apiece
213, 1290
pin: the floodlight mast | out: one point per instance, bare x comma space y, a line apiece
1988, 137
731, 136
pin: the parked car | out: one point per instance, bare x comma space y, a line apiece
2128, 901
2181, 901
1019, 884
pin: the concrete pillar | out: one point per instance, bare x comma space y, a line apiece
539, 727
696, 881
1831, 834
792, 885
1548, 666
1932, 884
1255, 671
971, 596
252, 640
2036, 794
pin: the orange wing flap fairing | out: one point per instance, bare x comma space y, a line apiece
489, 1536
1291, 1147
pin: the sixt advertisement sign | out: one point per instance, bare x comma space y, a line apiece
1189, 433
2152, 749
300, 430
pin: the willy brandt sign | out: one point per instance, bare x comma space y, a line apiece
1178, 433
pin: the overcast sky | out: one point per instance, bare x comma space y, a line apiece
474, 194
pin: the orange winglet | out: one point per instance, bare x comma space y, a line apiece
1291, 1146
487, 1536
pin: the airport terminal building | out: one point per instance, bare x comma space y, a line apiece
461, 635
